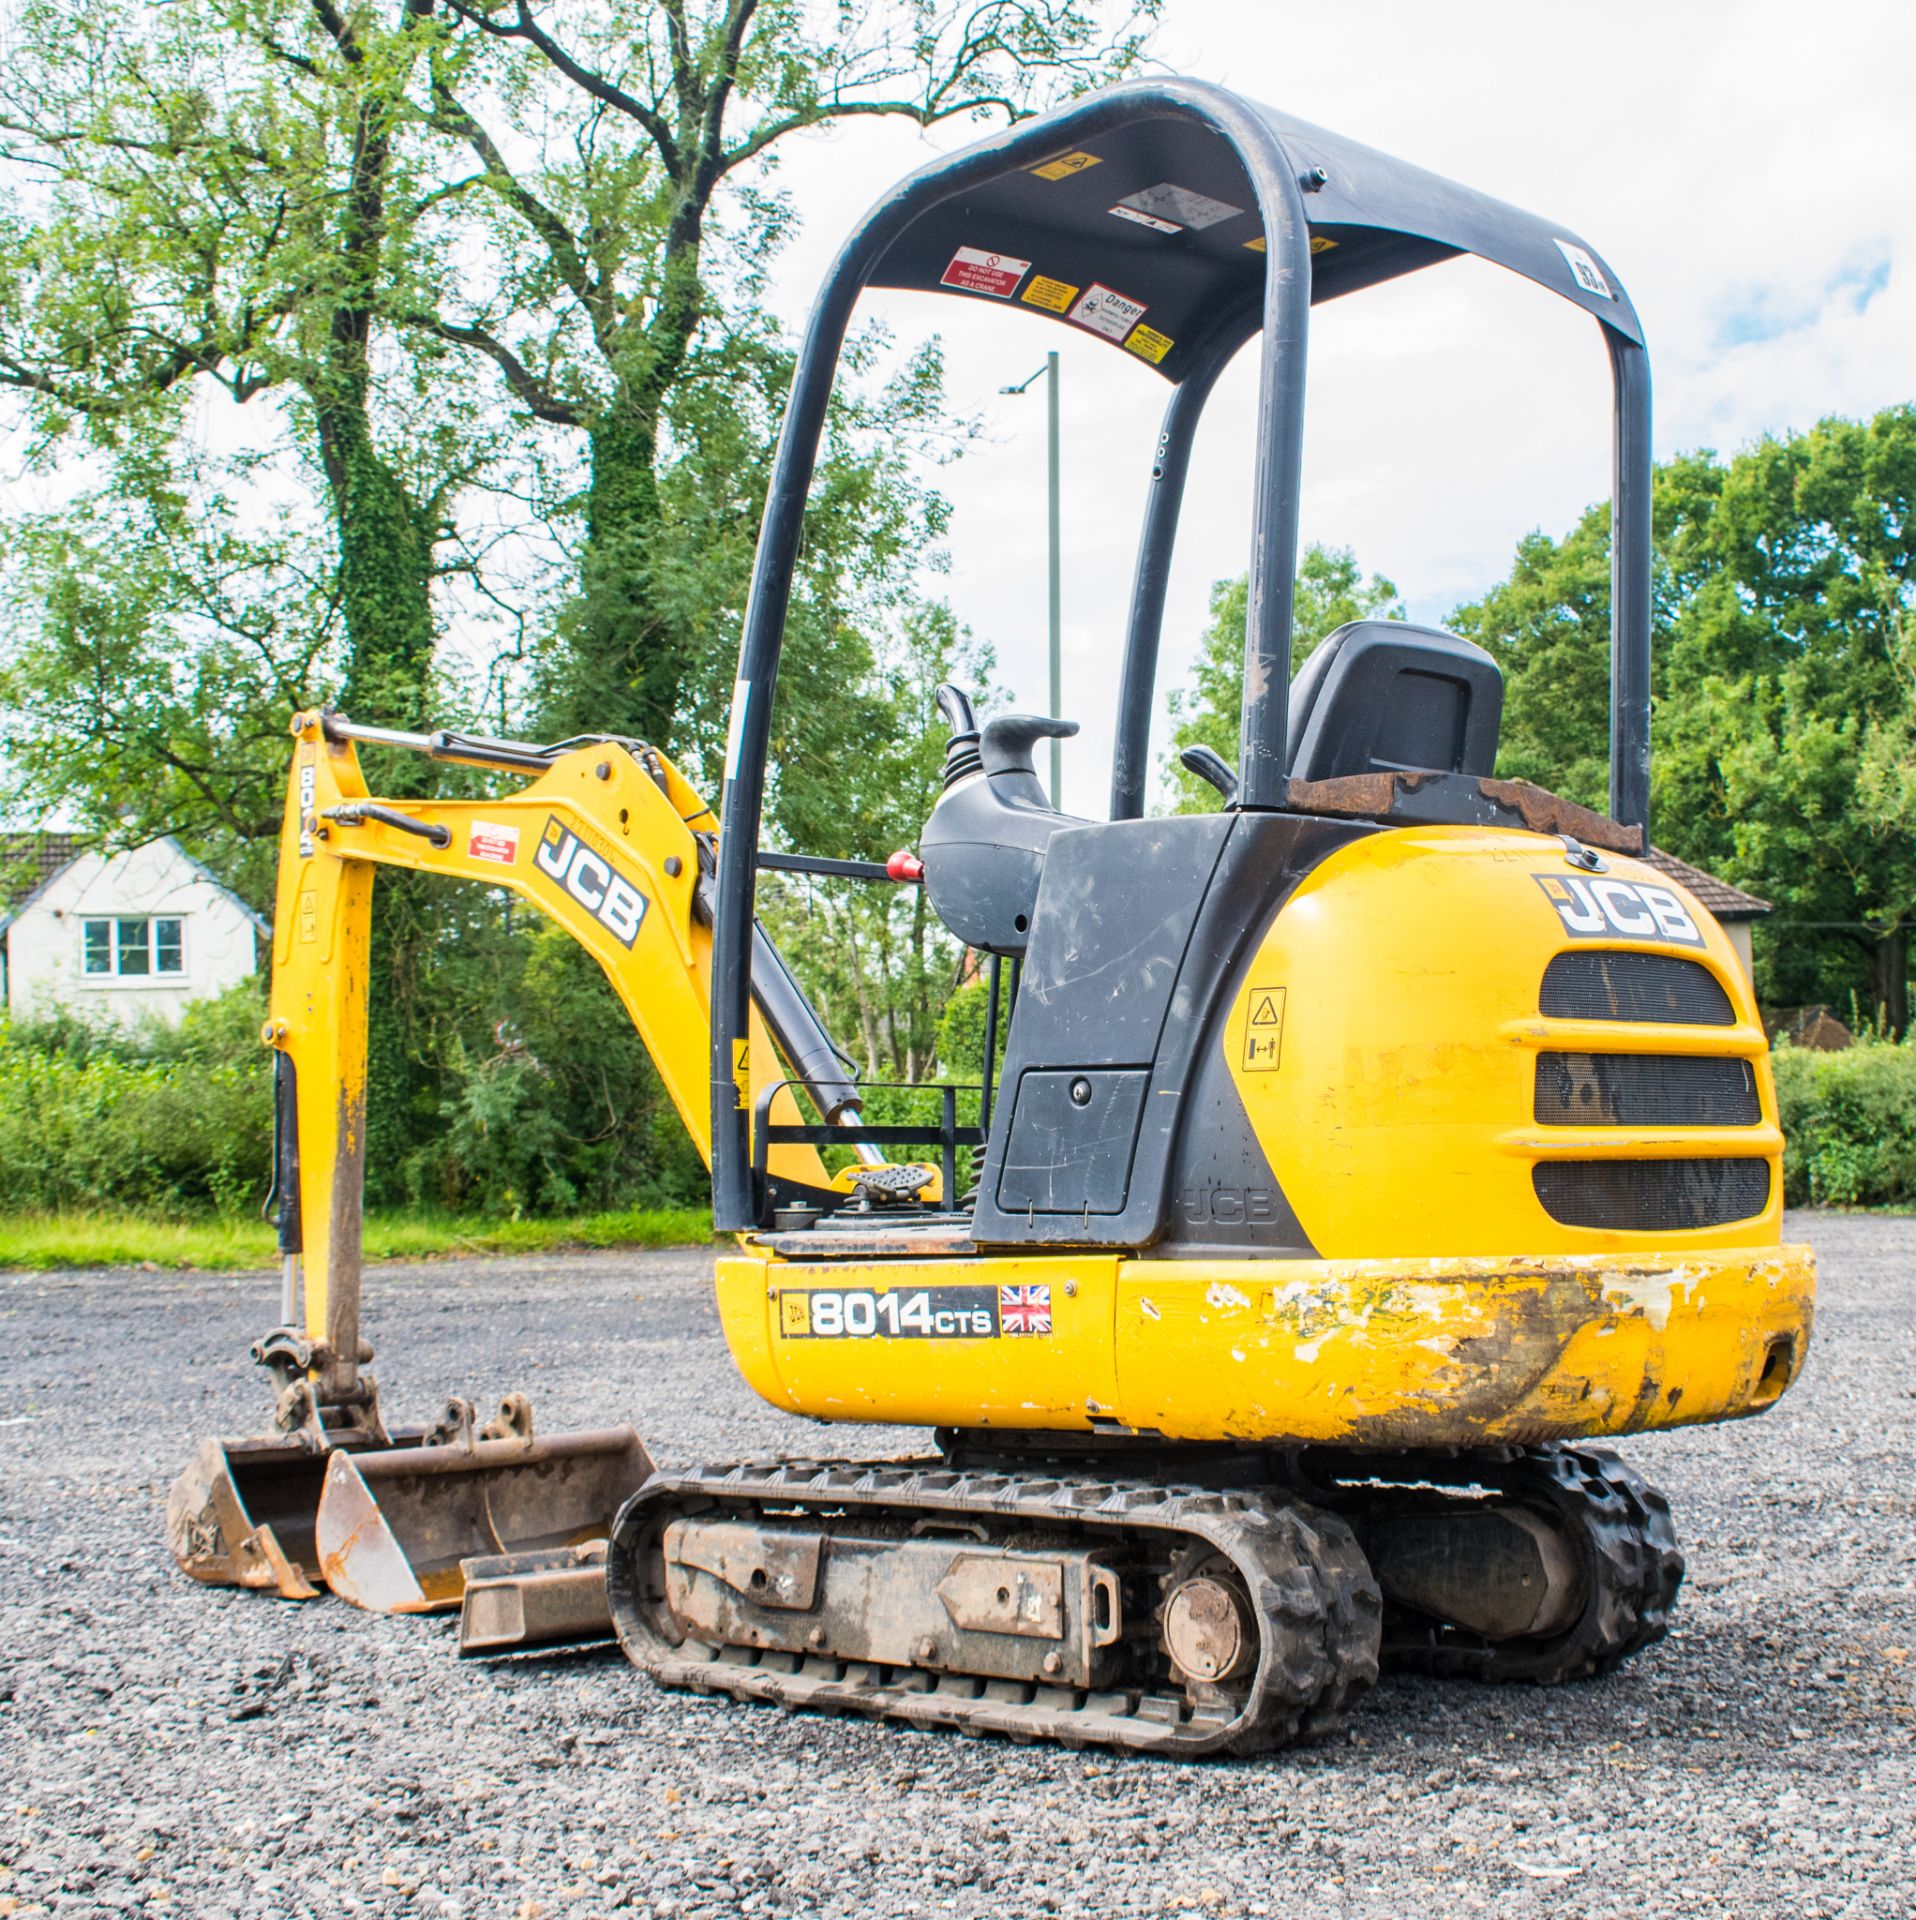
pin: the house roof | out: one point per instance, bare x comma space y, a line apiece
30, 862
1723, 900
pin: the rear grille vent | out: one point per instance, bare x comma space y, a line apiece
1650, 1196
1644, 1090
1601, 984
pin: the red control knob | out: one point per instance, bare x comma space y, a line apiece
906, 868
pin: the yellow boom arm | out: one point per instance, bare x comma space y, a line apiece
602, 842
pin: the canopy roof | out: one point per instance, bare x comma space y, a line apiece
1147, 232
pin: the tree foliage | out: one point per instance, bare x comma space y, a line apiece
1782, 686
1331, 590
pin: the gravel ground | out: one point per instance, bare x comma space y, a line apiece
173, 1749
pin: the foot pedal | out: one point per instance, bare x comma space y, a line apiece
888, 1186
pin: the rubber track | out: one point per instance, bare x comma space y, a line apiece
1319, 1607
1622, 1527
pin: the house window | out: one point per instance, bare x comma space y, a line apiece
133, 948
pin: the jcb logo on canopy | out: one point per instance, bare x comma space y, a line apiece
592, 880
1619, 910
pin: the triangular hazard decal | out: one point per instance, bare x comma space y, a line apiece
1265, 1013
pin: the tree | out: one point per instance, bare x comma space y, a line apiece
1331, 591
628, 255
1781, 687
461, 260
213, 198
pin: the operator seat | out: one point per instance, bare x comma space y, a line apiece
1382, 696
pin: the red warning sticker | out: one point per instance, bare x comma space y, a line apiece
975, 271
491, 840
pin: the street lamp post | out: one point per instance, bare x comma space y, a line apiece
1049, 374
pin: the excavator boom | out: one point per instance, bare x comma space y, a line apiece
611, 842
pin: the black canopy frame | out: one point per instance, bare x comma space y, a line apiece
1365, 217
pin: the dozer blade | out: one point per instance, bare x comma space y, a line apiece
394, 1525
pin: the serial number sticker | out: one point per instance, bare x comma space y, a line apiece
1585, 271
892, 1313
1052, 295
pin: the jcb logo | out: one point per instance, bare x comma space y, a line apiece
1619, 910
611, 899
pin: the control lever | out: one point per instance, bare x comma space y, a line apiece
1006, 744
955, 704
1210, 765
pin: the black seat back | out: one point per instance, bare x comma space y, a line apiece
1381, 696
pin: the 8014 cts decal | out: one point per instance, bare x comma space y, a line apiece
912, 1313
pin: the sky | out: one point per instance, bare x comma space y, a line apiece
1748, 168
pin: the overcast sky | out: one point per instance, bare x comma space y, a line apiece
1749, 169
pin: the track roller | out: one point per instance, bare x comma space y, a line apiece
1543, 1564
1148, 1617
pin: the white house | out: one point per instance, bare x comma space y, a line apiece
118, 937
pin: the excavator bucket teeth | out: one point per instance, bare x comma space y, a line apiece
394, 1525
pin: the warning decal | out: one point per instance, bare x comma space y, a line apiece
1138, 218
975, 271
1180, 204
1264, 1032
490, 840
1320, 243
1065, 165
1585, 271
1052, 295
1149, 344
1105, 312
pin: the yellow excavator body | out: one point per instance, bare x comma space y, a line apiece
1360, 1150
1407, 1093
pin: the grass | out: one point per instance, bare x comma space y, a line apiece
47, 1240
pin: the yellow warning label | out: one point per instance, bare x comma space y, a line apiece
1052, 295
1264, 1032
1065, 165
1320, 243
795, 1315
742, 1072
1149, 344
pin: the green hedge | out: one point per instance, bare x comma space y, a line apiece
1850, 1122
181, 1122
173, 1120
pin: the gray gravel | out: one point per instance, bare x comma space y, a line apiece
177, 1750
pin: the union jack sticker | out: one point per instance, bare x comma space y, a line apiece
1024, 1309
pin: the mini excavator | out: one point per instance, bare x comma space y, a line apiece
1362, 1150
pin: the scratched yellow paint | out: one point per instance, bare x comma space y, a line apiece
1451, 1352
1456, 1352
